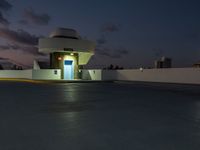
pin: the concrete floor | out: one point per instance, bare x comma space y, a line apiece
109, 116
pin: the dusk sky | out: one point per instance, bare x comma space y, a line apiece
129, 33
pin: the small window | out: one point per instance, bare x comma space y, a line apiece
55, 72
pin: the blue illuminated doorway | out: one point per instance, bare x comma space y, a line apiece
68, 70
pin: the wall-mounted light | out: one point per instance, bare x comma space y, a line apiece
141, 69
59, 58
72, 54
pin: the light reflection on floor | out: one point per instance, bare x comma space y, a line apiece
79, 116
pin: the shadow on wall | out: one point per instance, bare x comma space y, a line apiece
92, 74
85, 75
109, 75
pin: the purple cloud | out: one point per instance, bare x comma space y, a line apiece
30, 16
5, 5
110, 28
19, 36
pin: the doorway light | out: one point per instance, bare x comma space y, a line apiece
59, 58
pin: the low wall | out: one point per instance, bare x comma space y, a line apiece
92, 74
43, 74
24, 74
46, 74
109, 75
170, 75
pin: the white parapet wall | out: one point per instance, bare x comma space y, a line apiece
95, 74
23, 74
39, 74
170, 75
109, 75
46, 74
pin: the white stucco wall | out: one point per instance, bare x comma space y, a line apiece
49, 45
170, 75
95, 74
46, 74
109, 75
23, 74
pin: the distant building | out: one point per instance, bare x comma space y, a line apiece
196, 65
164, 62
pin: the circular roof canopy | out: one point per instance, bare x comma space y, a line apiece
64, 33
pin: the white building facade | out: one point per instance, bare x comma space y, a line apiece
68, 52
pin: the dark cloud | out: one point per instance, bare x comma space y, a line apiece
1, 58
23, 22
102, 40
110, 28
8, 63
4, 47
103, 51
26, 49
30, 16
3, 21
112, 53
19, 36
122, 51
20, 41
14, 46
5, 5
31, 50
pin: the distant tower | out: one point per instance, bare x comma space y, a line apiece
164, 62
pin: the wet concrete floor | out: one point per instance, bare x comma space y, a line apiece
98, 116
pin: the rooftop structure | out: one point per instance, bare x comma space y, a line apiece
67, 51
